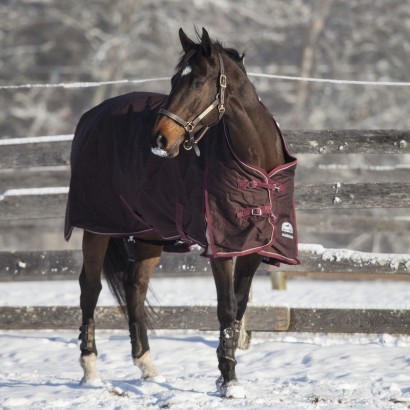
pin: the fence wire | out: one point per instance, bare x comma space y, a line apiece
257, 75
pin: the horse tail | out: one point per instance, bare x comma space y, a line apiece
116, 269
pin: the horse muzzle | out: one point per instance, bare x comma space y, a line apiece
162, 148
167, 138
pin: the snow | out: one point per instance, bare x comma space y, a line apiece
36, 140
40, 369
34, 191
362, 167
393, 260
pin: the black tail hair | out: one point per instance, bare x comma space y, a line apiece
117, 267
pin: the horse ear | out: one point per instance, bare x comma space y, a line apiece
206, 43
186, 42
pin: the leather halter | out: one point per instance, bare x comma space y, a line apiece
189, 126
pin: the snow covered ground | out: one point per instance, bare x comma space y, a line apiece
40, 370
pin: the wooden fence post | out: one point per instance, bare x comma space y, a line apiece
278, 280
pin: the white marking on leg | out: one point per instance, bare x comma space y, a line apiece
91, 376
148, 369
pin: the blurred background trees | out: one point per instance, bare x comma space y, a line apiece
52, 41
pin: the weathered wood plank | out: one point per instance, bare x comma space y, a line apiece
354, 224
45, 153
348, 141
312, 175
37, 233
27, 204
350, 320
12, 178
50, 203
353, 196
38, 154
39, 265
15, 178
66, 265
259, 319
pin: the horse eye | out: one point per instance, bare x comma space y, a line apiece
198, 83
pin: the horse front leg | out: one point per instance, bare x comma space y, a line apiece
227, 383
135, 288
245, 268
94, 249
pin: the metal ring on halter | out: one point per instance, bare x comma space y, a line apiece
187, 145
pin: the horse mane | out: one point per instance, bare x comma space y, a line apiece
232, 53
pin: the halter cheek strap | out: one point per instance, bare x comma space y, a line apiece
189, 126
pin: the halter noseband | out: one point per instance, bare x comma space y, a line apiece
189, 126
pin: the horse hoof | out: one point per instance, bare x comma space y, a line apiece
148, 371
91, 376
157, 378
232, 390
92, 382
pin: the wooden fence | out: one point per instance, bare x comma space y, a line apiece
33, 189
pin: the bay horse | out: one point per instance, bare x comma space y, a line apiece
205, 165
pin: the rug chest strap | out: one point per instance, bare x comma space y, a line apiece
255, 183
263, 210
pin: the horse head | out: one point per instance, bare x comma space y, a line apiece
196, 100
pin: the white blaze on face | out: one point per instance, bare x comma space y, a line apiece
187, 70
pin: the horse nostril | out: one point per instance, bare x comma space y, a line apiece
161, 141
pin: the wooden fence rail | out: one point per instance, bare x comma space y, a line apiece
28, 156
311, 169
63, 265
51, 151
259, 319
36, 231
50, 202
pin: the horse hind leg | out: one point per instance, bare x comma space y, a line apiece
144, 362
135, 285
94, 248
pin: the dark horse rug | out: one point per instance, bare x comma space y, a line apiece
119, 188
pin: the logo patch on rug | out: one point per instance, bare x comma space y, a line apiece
287, 230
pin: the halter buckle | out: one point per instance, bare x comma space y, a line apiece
256, 212
189, 126
222, 80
